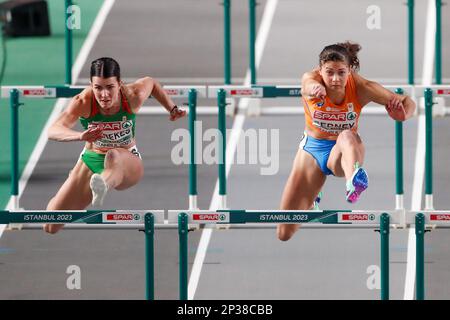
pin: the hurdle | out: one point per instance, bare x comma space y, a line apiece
381, 218
14, 93
192, 93
149, 220
284, 91
410, 4
428, 219
124, 219
438, 219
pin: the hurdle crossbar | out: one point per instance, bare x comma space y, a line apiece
149, 220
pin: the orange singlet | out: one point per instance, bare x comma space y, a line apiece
327, 119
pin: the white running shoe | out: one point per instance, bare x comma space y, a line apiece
99, 189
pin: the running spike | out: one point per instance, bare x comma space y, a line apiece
317, 201
357, 184
99, 189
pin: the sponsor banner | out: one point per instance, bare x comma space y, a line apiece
357, 217
39, 92
249, 92
280, 217
177, 93
31, 92
183, 92
443, 92
219, 217
439, 217
122, 217
244, 92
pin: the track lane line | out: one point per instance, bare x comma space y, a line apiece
263, 32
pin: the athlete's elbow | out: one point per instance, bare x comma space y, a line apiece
304, 80
148, 80
51, 133
148, 88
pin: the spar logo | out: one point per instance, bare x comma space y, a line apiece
127, 124
351, 116
208, 217
330, 116
174, 92
110, 126
443, 91
440, 217
122, 217
37, 92
358, 217
243, 92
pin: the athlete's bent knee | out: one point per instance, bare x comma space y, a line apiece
51, 204
284, 233
112, 156
53, 228
347, 136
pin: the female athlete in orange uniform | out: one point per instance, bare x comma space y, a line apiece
333, 97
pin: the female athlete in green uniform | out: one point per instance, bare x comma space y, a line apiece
110, 159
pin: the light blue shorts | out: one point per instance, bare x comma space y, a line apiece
320, 149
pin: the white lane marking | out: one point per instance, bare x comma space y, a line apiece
238, 124
91, 38
60, 103
419, 171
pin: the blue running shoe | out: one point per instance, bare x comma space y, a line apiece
357, 184
317, 201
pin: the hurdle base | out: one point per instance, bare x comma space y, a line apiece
15, 207
230, 110
14, 227
193, 227
254, 107
193, 206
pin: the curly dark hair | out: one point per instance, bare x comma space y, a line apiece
346, 52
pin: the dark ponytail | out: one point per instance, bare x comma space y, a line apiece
346, 52
105, 68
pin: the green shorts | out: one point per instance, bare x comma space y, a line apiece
96, 161
93, 160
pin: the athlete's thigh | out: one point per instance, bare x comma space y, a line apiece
75, 193
131, 166
304, 183
334, 161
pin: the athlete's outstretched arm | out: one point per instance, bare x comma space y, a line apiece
399, 107
312, 85
61, 129
145, 87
